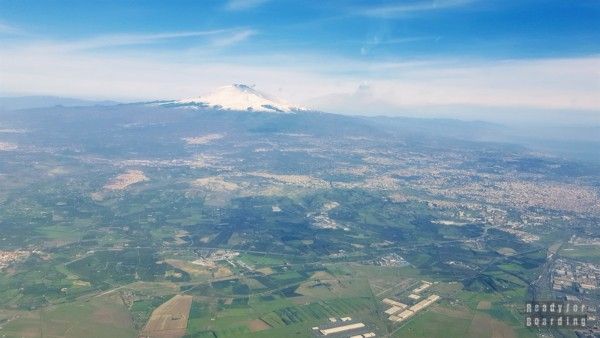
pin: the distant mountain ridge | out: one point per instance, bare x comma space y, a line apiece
573, 142
40, 101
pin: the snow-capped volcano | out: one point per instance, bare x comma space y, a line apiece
240, 97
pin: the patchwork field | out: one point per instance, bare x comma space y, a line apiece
172, 223
103, 317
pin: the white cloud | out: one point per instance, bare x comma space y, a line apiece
136, 77
221, 37
536, 84
132, 39
238, 5
310, 80
377, 41
8, 29
231, 39
404, 8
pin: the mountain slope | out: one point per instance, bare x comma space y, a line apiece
238, 97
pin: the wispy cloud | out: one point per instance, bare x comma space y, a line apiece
394, 10
8, 29
239, 5
393, 41
376, 41
231, 39
118, 40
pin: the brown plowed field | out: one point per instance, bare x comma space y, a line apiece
169, 320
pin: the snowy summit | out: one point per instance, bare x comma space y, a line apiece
240, 97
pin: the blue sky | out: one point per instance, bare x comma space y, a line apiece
374, 56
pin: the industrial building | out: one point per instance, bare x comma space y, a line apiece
399, 312
344, 327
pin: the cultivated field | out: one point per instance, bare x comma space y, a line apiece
170, 319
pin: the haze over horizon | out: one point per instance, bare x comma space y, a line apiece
470, 59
